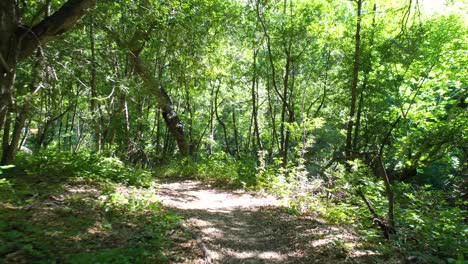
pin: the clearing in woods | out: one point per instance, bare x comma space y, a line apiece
243, 227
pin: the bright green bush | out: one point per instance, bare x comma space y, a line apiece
218, 167
58, 165
428, 226
427, 223
301, 192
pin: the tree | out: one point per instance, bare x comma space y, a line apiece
18, 42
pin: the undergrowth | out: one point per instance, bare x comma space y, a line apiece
81, 208
115, 217
62, 165
429, 227
218, 168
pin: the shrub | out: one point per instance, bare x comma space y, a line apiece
60, 165
427, 223
219, 167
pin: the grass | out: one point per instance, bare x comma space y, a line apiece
47, 219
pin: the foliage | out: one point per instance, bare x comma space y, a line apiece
301, 192
429, 225
219, 168
295, 97
62, 165
42, 215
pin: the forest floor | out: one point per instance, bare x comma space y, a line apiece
230, 226
72, 220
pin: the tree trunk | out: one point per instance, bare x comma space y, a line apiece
284, 109
367, 68
209, 146
11, 146
358, 116
220, 121
94, 103
354, 83
236, 134
272, 110
254, 90
10, 150
158, 131
6, 140
8, 53
164, 102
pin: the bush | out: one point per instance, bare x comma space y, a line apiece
219, 167
427, 225
293, 183
59, 165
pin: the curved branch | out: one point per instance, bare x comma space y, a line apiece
53, 26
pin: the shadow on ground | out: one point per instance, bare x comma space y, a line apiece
65, 221
242, 228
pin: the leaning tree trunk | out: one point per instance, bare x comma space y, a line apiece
165, 104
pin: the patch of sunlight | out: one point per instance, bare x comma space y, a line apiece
362, 253
199, 222
270, 255
213, 232
267, 255
443, 7
431, 7
321, 242
97, 230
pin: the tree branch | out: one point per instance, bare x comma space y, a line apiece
53, 26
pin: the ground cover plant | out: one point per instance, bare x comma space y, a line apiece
74, 209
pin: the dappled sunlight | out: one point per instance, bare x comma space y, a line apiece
243, 227
196, 195
267, 255
63, 221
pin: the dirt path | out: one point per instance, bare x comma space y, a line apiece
240, 227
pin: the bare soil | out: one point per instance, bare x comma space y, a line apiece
244, 227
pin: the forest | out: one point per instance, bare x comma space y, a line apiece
233, 131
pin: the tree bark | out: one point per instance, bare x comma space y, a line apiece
164, 102
254, 90
6, 138
53, 26
8, 53
354, 83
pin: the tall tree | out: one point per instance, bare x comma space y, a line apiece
354, 83
18, 42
